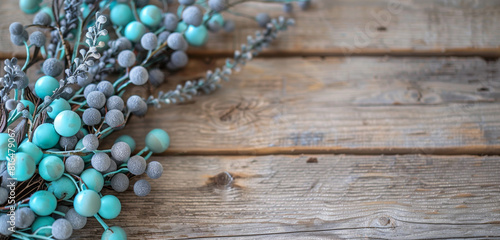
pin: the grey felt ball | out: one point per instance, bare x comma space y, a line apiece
304, 4
217, 5
4, 195
213, 26
5, 225
114, 118
187, 2
120, 182
88, 89
136, 165
192, 15
37, 38
135, 103
24, 217
142, 188
122, 44
106, 87
90, 142
176, 41
68, 143
115, 102
154, 170
139, 75
62, 229
91, 117
96, 99
77, 221
16, 28
120, 151
112, 167
52, 67
149, 41
60, 208
74, 164
42, 18
179, 59
170, 21
156, 77
263, 19
19, 40
163, 36
100, 161
126, 58
85, 80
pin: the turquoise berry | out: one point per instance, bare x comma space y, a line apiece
45, 136
51, 168
157, 140
121, 14
93, 179
110, 207
67, 123
45, 86
63, 188
217, 17
196, 36
181, 27
29, 105
151, 16
32, 150
58, 106
6, 143
114, 233
134, 31
42, 222
24, 167
30, 6
128, 140
87, 203
43, 203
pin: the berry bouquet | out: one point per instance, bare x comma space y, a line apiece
51, 166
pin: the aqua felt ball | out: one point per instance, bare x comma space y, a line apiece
43, 203
181, 27
134, 31
128, 140
110, 207
87, 203
7, 145
51, 168
42, 222
67, 123
58, 106
24, 166
114, 233
157, 140
45, 86
45, 136
121, 14
63, 188
29, 105
196, 36
93, 179
32, 150
151, 16
30, 6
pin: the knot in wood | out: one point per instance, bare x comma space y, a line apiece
223, 179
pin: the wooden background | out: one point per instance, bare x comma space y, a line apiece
352, 126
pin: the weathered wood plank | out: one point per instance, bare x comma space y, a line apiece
346, 27
353, 105
339, 197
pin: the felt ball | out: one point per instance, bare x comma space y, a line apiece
100, 161
77, 221
179, 59
110, 207
5, 226
88, 89
135, 103
136, 165
4, 195
62, 229
115, 102
87, 203
112, 167
156, 77
120, 182
24, 217
192, 15
187, 2
170, 22
120, 151
114, 118
128, 140
57, 107
176, 41
122, 43
150, 16
134, 31
149, 41
217, 5
16, 28
93, 179
139, 75
67, 123
19, 40
154, 170
51, 168
52, 67
91, 117
90, 142
43, 203
42, 18
37, 38
106, 87
45, 86
68, 143
126, 58
121, 14
263, 19
96, 99
163, 36
74, 164
142, 188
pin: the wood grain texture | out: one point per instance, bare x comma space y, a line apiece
346, 27
340, 197
338, 105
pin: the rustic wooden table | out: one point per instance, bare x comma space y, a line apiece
369, 119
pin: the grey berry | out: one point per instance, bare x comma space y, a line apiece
156, 77
90, 142
154, 170
115, 102
136, 165
179, 59
114, 118
38, 39
263, 19
52, 67
149, 41
121, 151
106, 87
142, 188
96, 99
100, 161
139, 75
77, 221
217, 5
170, 22
91, 117
120, 182
192, 15
74, 165
42, 18
62, 229
126, 58
176, 41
